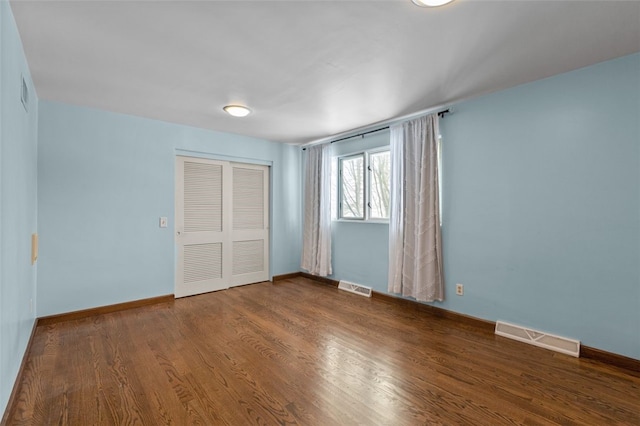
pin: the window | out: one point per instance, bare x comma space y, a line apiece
352, 187
363, 186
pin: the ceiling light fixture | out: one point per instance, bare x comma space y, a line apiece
237, 110
430, 3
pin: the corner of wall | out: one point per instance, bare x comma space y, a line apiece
18, 203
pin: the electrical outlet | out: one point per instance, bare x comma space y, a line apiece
163, 222
459, 289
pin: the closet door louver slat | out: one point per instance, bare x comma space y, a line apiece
248, 256
248, 198
202, 197
202, 262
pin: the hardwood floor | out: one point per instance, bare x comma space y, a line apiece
299, 352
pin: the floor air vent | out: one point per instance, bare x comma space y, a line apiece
355, 288
538, 338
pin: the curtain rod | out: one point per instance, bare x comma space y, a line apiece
440, 114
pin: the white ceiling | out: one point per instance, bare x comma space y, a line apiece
307, 69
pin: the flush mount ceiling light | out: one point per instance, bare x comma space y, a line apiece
430, 3
237, 110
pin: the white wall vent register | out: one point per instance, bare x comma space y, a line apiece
539, 338
355, 288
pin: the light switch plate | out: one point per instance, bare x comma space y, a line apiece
163, 222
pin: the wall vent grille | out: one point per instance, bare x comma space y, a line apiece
355, 288
538, 338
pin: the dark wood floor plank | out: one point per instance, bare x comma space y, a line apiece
295, 364
163, 350
299, 352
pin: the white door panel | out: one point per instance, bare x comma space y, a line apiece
250, 234
200, 226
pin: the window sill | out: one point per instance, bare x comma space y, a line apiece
380, 222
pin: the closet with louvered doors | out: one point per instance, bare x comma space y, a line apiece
222, 225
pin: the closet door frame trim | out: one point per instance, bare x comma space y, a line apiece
232, 159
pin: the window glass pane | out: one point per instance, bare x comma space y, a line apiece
352, 187
379, 191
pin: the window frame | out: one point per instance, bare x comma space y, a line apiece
366, 192
341, 160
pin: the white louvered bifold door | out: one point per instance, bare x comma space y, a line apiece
222, 225
202, 226
250, 229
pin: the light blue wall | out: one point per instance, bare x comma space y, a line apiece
105, 179
18, 203
541, 210
360, 251
541, 215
